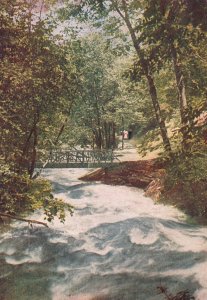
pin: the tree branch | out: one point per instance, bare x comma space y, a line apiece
118, 10
24, 220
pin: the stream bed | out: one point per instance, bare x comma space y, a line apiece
119, 245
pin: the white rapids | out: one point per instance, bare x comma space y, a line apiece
119, 245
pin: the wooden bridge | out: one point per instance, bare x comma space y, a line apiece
79, 158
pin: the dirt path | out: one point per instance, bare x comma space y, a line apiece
129, 153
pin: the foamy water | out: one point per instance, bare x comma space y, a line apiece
118, 245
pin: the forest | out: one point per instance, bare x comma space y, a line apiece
77, 73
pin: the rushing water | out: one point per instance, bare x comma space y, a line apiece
118, 244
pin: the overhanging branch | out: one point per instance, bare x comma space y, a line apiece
23, 220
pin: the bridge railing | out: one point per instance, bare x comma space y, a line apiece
81, 157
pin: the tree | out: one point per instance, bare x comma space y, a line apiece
95, 90
35, 84
129, 13
34, 90
163, 35
170, 37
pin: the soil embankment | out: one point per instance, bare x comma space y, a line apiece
145, 174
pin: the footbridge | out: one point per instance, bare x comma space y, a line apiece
79, 158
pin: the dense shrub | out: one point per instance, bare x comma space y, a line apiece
186, 183
19, 195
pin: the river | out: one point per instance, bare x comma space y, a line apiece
119, 245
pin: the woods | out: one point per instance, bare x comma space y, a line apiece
78, 74
34, 85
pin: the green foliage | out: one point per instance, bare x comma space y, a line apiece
21, 195
186, 178
186, 181
91, 120
34, 94
34, 84
101, 74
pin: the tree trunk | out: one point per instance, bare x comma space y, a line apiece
146, 69
113, 135
98, 138
185, 128
27, 142
34, 152
107, 135
180, 85
24, 159
160, 120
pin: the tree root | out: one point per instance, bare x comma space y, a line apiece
30, 222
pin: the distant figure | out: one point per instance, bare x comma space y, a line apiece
130, 134
125, 135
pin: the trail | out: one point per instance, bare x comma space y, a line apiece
128, 153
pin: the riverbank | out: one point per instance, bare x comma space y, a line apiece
145, 174
151, 175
